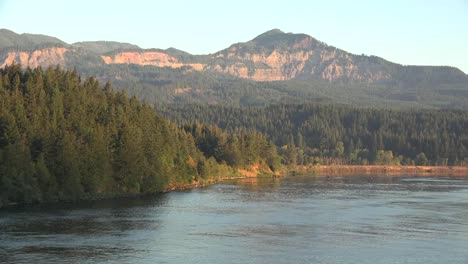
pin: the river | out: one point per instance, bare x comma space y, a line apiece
301, 219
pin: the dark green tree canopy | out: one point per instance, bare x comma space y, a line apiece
63, 138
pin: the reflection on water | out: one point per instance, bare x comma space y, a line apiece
361, 219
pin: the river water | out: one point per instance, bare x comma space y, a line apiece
358, 219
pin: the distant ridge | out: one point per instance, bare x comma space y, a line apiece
304, 64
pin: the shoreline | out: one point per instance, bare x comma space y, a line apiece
349, 170
317, 170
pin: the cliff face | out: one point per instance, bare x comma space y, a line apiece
42, 57
153, 58
274, 66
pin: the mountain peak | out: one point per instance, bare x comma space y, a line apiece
272, 32
277, 39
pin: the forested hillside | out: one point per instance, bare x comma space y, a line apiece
337, 134
64, 138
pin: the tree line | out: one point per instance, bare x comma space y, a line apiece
341, 134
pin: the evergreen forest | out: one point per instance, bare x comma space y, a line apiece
343, 134
63, 138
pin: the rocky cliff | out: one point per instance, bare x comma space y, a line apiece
153, 58
274, 66
41, 57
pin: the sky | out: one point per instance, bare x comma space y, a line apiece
409, 32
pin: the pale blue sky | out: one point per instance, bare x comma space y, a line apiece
419, 32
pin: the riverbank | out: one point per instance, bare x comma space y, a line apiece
317, 170
348, 170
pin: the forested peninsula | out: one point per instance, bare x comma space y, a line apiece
64, 139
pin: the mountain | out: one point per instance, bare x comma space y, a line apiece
276, 55
274, 67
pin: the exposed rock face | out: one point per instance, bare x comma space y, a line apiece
43, 57
339, 64
276, 66
153, 58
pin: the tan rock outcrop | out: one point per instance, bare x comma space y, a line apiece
275, 66
43, 57
153, 58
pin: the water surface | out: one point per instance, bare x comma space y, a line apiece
359, 219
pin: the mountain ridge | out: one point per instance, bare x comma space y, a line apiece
271, 40
297, 61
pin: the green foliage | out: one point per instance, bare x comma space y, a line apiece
239, 149
334, 134
62, 138
386, 158
421, 159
